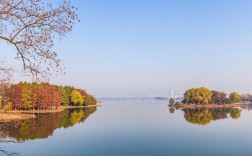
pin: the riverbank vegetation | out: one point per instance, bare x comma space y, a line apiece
42, 96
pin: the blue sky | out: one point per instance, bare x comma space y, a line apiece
137, 47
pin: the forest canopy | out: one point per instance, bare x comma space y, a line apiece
26, 96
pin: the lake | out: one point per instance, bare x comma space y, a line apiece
133, 127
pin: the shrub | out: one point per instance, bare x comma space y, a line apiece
171, 102
8, 106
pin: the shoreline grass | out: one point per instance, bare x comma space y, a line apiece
15, 115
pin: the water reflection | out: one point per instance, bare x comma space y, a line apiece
44, 125
204, 116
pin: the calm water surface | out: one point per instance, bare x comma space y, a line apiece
134, 127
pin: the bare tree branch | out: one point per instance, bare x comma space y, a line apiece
31, 26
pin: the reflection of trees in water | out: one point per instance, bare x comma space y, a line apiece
220, 113
205, 116
172, 110
235, 113
44, 125
197, 116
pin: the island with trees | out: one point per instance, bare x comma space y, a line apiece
201, 106
204, 98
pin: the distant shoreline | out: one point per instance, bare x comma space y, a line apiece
15, 115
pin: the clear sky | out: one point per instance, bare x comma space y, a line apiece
137, 47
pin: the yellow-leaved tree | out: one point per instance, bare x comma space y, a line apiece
76, 97
234, 97
198, 95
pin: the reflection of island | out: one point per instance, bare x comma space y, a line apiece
44, 125
204, 116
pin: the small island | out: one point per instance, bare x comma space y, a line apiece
202, 97
20, 101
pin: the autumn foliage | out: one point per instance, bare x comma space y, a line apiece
203, 96
198, 95
27, 96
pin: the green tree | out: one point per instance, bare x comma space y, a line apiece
77, 98
234, 97
26, 96
64, 96
198, 96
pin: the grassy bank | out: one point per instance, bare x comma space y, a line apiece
12, 115
7, 117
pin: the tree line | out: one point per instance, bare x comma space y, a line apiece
203, 96
41, 96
